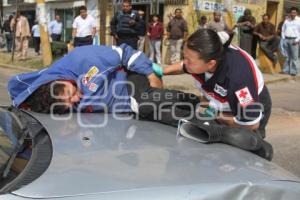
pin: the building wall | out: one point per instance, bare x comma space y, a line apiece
197, 8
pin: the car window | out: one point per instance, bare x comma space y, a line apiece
9, 134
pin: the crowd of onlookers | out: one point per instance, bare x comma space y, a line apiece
129, 26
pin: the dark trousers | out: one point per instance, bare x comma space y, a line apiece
37, 43
131, 41
9, 41
55, 37
82, 41
162, 105
269, 47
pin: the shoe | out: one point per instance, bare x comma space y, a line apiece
210, 133
266, 151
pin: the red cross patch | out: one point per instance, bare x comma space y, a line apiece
244, 96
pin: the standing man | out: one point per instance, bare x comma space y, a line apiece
177, 32
8, 33
217, 24
141, 29
246, 25
55, 28
84, 28
124, 25
268, 40
36, 37
21, 24
291, 37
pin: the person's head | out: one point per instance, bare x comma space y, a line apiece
203, 19
217, 16
141, 13
83, 11
293, 12
247, 12
155, 18
126, 6
203, 51
265, 18
178, 13
57, 18
55, 97
10, 17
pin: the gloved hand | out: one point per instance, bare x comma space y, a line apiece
158, 70
210, 112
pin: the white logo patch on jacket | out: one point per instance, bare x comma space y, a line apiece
220, 90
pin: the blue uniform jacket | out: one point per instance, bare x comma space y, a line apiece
98, 72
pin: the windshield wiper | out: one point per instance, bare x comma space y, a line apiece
18, 147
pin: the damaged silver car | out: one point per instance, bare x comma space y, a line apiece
104, 156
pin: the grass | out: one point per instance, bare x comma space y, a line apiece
34, 62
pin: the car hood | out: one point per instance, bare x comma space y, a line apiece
97, 154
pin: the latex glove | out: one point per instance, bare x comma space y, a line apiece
157, 70
210, 112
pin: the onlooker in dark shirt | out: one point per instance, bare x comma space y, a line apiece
246, 24
123, 25
8, 33
268, 40
155, 32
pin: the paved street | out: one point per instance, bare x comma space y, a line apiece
284, 125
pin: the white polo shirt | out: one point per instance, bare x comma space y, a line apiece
84, 26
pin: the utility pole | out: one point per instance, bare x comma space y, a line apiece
102, 9
41, 16
14, 32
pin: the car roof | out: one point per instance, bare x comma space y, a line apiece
98, 153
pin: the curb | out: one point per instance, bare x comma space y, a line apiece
24, 69
283, 79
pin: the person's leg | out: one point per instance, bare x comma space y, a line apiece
294, 59
157, 51
172, 51
18, 46
141, 43
286, 66
178, 49
8, 42
151, 48
38, 45
35, 44
25, 43
264, 46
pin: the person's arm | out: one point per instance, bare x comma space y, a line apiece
174, 69
74, 31
138, 62
113, 25
228, 119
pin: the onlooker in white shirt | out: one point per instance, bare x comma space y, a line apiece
35, 30
55, 28
291, 37
84, 28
